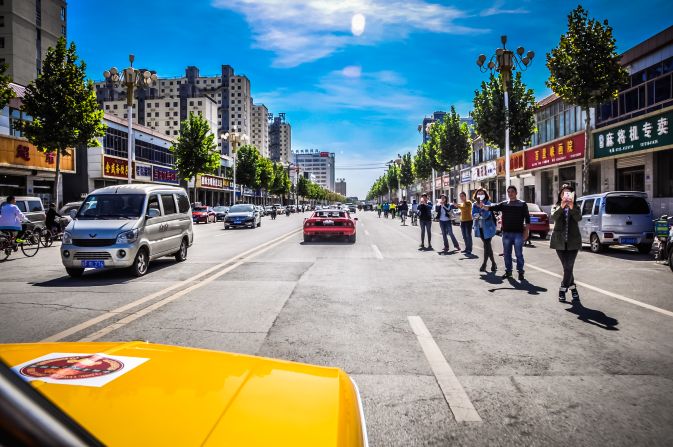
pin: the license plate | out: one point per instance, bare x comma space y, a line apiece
93, 264
237, 221
328, 222
628, 240
534, 220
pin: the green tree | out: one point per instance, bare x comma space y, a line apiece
436, 141
422, 166
281, 181
63, 106
194, 149
303, 185
247, 162
585, 70
265, 173
6, 92
489, 113
407, 170
455, 148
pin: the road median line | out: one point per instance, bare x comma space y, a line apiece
127, 307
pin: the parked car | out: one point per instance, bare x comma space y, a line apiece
204, 214
49, 395
220, 212
32, 208
539, 221
243, 215
616, 218
128, 226
330, 223
260, 210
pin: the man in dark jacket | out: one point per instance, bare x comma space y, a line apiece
515, 221
50, 222
425, 221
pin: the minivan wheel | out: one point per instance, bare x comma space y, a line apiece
181, 255
644, 248
74, 272
141, 263
596, 245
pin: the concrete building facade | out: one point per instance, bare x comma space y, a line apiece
319, 164
280, 139
340, 187
259, 133
27, 29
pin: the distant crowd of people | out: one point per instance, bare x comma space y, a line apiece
478, 216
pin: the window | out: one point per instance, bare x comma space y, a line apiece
2, 20
199, 102
153, 204
626, 205
587, 206
168, 202
168, 104
63, 30
183, 203
2, 42
63, 13
175, 103
663, 174
597, 206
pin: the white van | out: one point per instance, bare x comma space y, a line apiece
616, 218
128, 226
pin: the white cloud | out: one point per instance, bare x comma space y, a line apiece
498, 9
300, 31
352, 71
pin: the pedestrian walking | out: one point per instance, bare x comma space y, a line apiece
466, 222
484, 226
566, 239
404, 209
414, 212
379, 208
425, 221
443, 212
515, 221
393, 209
386, 209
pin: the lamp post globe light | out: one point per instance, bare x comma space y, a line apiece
131, 78
506, 61
235, 138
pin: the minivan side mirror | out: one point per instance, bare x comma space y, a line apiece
152, 213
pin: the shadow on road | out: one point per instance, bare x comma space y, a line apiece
102, 278
595, 317
625, 253
495, 279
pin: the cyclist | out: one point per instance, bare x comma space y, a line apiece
50, 222
403, 209
11, 219
414, 212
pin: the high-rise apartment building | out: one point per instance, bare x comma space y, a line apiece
340, 186
259, 136
316, 163
224, 100
27, 29
280, 138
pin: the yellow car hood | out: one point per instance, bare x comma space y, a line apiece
183, 396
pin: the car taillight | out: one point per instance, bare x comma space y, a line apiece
308, 223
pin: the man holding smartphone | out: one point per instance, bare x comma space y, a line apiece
425, 221
515, 221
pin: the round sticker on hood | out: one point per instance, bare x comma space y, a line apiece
73, 367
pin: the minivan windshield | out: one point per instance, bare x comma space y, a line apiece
626, 205
241, 209
112, 206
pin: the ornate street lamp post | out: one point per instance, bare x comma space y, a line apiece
131, 78
505, 62
235, 138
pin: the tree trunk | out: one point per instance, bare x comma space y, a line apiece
587, 152
57, 180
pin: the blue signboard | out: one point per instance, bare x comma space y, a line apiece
165, 175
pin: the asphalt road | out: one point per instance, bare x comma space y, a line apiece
481, 361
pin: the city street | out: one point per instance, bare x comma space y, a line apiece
442, 354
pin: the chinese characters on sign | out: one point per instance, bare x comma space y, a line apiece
165, 175
115, 167
446, 181
143, 172
23, 152
643, 134
555, 152
484, 170
466, 176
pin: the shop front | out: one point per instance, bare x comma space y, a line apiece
464, 183
24, 170
212, 190
485, 176
637, 155
516, 168
550, 165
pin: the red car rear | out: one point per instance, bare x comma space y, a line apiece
330, 223
203, 214
539, 221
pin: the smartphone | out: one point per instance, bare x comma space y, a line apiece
569, 196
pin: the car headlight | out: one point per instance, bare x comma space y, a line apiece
67, 238
127, 237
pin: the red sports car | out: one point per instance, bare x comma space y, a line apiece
203, 214
539, 221
330, 223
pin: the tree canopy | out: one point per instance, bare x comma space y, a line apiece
194, 149
422, 167
489, 112
407, 170
454, 149
247, 161
6, 92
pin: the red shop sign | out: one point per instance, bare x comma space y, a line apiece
555, 152
115, 167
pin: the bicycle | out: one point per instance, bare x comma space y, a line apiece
30, 244
403, 217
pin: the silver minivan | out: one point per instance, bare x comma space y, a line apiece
616, 218
128, 226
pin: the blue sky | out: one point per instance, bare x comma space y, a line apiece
359, 91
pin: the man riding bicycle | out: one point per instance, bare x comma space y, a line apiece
50, 222
12, 219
